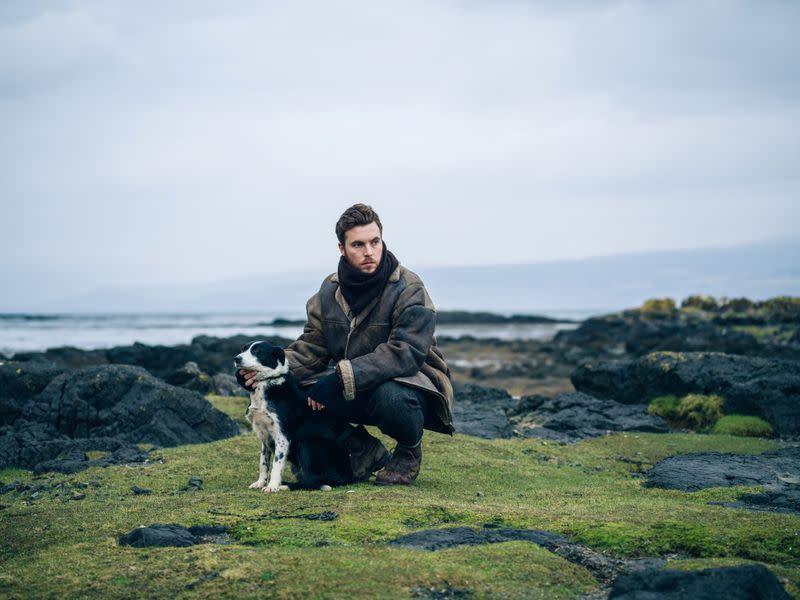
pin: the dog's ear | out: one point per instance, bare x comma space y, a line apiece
279, 354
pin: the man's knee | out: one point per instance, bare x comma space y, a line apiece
391, 397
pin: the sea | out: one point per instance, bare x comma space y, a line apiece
37, 332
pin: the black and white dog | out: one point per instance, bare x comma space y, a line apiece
287, 427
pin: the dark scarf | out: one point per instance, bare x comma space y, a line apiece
359, 289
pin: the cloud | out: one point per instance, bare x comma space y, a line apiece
135, 130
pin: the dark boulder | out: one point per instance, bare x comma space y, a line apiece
482, 411
778, 472
700, 470
745, 582
211, 354
105, 408
19, 382
158, 535
762, 387
575, 416
739, 326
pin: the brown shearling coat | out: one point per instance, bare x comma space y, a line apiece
392, 338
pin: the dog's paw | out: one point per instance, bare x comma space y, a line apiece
275, 488
258, 484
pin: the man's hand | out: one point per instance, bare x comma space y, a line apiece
315, 405
246, 379
327, 390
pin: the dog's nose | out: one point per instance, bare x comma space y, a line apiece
237, 360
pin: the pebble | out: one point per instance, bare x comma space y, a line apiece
78, 496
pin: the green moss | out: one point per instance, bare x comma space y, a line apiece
743, 425
658, 307
655, 539
53, 546
698, 412
665, 407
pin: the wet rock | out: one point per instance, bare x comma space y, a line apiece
158, 535
195, 484
441, 593
700, 326
700, 470
210, 354
78, 496
19, 382
777, 471
574, 416
107, 408
745, 582
766, 388
482, 411
140, 491
75, 460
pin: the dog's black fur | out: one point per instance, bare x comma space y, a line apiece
314, 451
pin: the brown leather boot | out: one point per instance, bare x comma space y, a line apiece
367, 453
403, 468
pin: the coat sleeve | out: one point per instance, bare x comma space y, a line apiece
403, 354
308, 354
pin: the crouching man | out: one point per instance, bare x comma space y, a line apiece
368, 356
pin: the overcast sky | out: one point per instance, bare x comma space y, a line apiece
145, 142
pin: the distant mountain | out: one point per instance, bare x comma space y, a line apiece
602, 284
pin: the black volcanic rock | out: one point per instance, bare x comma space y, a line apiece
767, 329
482, 411
778, 472
212, 355
744, 582
19, 382
700, 470
575, 416
766, 388
104, 408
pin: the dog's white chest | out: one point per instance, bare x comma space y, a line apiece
264, 422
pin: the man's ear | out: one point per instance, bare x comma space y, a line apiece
341, 248
279, 354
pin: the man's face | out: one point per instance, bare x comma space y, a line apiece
363, 247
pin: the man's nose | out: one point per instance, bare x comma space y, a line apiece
368, 251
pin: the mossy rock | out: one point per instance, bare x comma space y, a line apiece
698, 412
743, 425
659, 307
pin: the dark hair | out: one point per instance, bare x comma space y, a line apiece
358, 214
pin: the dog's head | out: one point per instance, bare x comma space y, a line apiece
268, 360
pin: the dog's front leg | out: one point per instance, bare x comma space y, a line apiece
278, 462
262, 468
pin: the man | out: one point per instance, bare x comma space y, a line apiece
369, 356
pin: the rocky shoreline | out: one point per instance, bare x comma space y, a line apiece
67, 409
597, 378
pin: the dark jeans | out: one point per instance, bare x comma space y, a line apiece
397, 410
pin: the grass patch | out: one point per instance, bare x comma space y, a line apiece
743, 425
233, 406
54, 546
